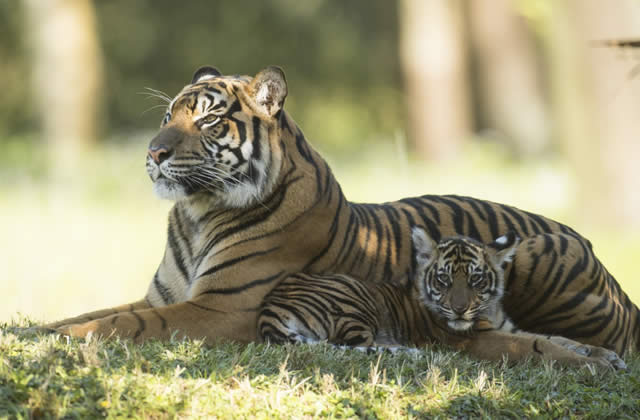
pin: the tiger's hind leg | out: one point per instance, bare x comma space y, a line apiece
557, 286
494, 345
278, 326
288, 329
319, 308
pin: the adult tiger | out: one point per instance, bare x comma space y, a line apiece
454, 299
254, 202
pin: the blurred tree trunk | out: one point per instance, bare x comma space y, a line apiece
598, 104
432, 53
67, 76
508, 75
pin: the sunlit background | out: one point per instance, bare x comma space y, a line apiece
511, 101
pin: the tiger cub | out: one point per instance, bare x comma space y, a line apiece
454, 298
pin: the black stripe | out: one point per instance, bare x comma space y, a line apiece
256, 153
236, 260
333, 230
174, 246
492, 220
244, 287
163, 322
141, 325
564, 244
519, 219
163, 291
181, 232
578, 268
535, 347
432, 228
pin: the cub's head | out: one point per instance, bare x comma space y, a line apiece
218, 138
460, 279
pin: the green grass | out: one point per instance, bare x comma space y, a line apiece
51, 376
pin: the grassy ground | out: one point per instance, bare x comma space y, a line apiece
49, 376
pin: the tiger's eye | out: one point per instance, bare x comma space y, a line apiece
209, 119
442, 279
477, 280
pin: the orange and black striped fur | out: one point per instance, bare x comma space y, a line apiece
454, 298
254, 203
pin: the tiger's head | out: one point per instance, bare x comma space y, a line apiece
460, 279
219, 138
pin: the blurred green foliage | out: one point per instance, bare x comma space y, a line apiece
16, 110
340, 59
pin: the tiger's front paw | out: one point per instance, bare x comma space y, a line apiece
79, 330
610, 356
31, 331
599, 355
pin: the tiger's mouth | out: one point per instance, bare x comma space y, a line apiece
460, 324
168, 189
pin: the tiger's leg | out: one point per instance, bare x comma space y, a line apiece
90, 316
277, 327
557, 286
588, 350
493, 345
572, 345
194, 319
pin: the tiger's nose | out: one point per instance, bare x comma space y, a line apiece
159, 153
460, 307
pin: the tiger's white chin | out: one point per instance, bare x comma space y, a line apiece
168, 190
459, 324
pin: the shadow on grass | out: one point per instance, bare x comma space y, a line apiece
53, 376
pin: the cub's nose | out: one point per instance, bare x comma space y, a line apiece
460, 307
159, 153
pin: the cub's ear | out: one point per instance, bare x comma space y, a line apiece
269, 89
205, 72
425, 248
504, 247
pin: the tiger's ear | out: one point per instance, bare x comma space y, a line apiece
205, 72
425, 248
504, 248
269, 89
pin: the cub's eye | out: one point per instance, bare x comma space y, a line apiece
477, 280
166, 119
442, 279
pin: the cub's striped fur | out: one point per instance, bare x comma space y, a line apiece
455, 299
255, 203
